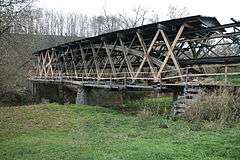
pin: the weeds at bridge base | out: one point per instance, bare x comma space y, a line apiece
216, 110
157, 106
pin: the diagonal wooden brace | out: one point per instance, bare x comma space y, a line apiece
127, 49
146, 54
73, 63
83, 56
95, 58
110, 58
49, 64
125, 53
170, 52
44, 58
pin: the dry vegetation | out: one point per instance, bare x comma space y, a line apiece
218, 109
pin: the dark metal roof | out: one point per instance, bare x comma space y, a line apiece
171, 27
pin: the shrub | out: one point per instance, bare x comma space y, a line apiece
215, 110
13, 98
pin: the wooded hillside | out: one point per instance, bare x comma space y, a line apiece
16, 58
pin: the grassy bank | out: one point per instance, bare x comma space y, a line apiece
156, 105
87, 132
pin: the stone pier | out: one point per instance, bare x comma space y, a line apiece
101, 97
83, 95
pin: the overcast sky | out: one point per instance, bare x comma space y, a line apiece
222, 9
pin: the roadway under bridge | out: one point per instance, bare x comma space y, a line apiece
167, 56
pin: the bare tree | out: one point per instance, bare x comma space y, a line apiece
50, 22
11, 12
110, 22
176, 12
154, 17
139, 18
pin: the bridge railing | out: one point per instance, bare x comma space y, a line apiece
189, 74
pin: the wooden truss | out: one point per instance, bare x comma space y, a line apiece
142, 59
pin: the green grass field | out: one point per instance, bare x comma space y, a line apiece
86, 132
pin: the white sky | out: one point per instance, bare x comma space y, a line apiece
222, 9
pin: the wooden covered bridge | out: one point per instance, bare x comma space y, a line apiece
167, 55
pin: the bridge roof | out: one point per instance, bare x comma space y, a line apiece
198, 25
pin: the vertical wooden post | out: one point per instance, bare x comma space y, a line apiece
38, 71
125, 79
110, 80
186, 78
225, 73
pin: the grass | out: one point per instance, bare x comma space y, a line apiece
233, 79
86, 132
156, 105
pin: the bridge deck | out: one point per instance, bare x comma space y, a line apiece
116, 86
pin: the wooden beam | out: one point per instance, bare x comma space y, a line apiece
105, 64
172, 54
127, 48
38, 65
64, 62
170, 51
73, 63
110, 58
49, 64
44, 58
146, 53
125, 53
83, 58
57, 62
95, 58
